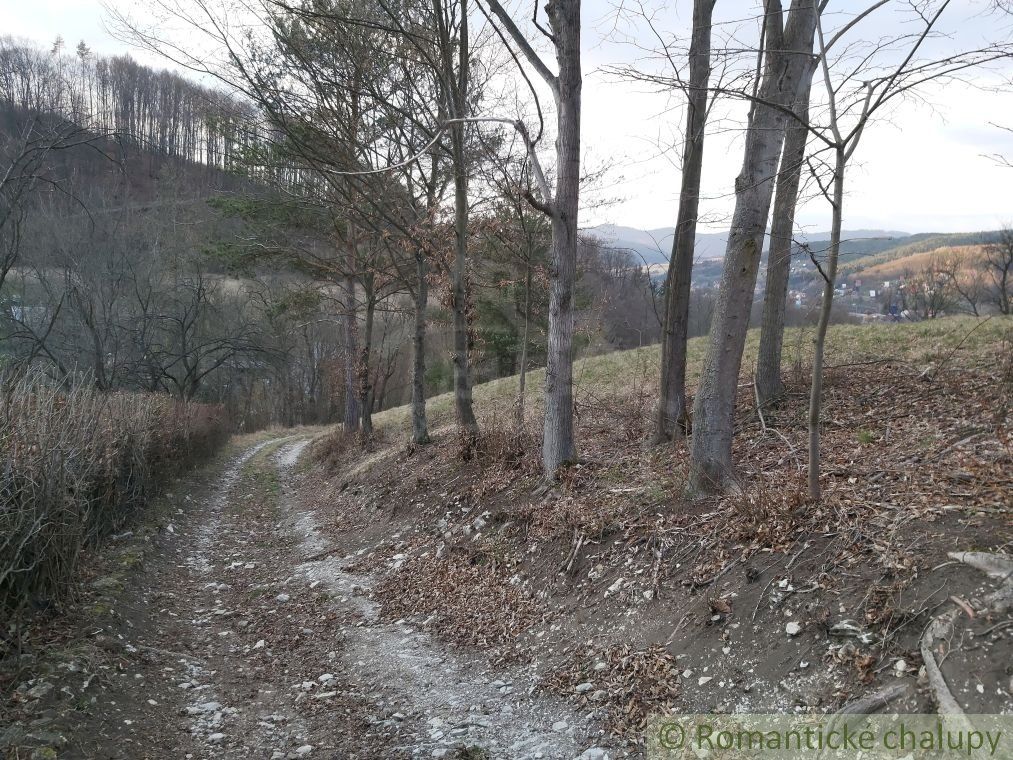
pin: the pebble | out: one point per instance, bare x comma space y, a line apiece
304, 750
583, 688
560, 725
216, 738
704, 679
594, 753
283, 598
793, 629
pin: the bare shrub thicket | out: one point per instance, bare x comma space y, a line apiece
78, 464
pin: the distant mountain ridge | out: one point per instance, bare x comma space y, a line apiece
655, 246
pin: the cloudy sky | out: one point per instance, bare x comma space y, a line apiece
924, 167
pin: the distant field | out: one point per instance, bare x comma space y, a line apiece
967, 255
916, 244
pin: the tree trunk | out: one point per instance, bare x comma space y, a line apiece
462, 344
420, 426
462, 365
523, 370
816, 391
673, 414
558, 445
788, 55
350, 330
768, 366
365, 356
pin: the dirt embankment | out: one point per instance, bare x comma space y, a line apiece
616, 593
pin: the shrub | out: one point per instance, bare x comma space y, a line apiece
75, 465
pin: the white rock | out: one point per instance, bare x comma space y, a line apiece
583, 688
704, 679
205, 707
216, 738
304, 750
560, 725
793, 629
900, 666
615, 586
594, 753
283, 598
260, 644
325, 678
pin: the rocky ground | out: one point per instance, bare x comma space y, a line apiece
244, 636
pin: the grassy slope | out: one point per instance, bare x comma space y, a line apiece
920, 342
969, 256
916, 244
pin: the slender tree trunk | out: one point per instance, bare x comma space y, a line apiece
816, 391
420, 426
462, 365
673, 413
523, 370
558, 444
788, 55
462, 343
365, 357
768, 366
350, 330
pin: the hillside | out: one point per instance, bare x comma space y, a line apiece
614, 579
655, 246
918, 244
966, 257
913, 343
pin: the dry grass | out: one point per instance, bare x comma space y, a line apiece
969, 257
634, 372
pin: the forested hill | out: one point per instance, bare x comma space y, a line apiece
156, 252
160, 111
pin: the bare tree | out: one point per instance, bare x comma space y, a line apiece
456, 77
558, 442
768, 364
999, 265
673, 411
787, 52
873, 90
965, 276
25, 166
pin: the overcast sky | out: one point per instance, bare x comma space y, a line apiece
925, 168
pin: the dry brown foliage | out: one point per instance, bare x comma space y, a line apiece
631, 685
77, 465
468, 602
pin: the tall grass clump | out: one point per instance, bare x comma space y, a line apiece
76, 465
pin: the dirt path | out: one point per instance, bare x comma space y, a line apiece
245, 640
